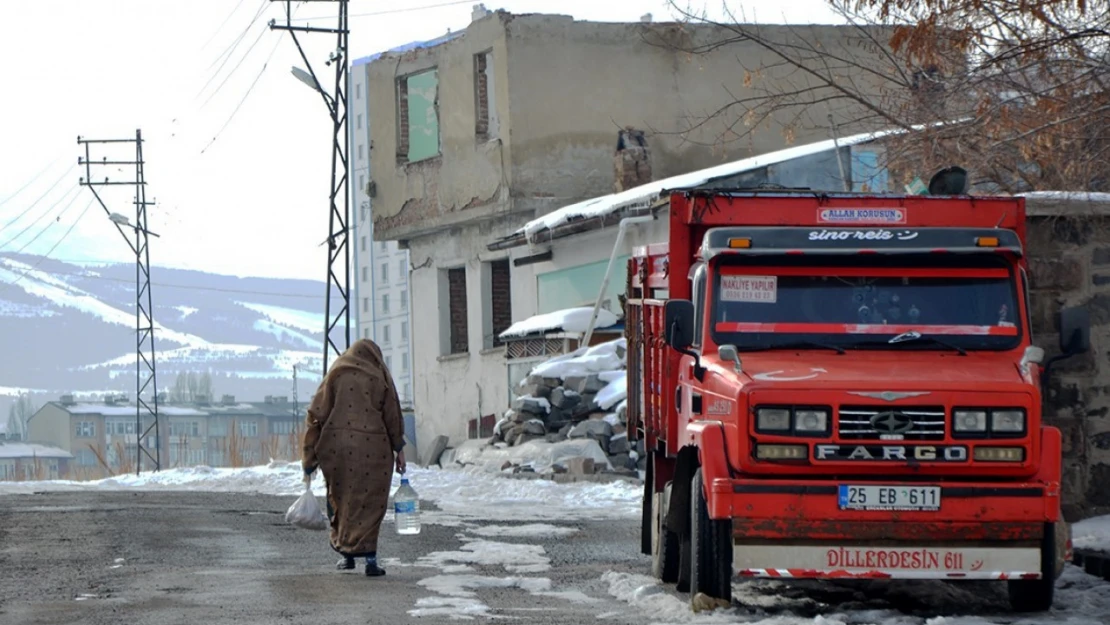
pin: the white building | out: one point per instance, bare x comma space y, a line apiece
380, 295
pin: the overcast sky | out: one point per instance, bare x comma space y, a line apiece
240, 192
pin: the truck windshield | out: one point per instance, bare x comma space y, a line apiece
863, 306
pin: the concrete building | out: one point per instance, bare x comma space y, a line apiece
219, 434
25, 461
480, 131
380, 293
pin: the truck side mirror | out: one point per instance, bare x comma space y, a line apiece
1075, 337
678, 319
1075, 331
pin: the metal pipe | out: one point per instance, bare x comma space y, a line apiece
627, 221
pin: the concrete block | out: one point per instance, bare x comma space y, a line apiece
580, 466
535, 390
435, 450
618, 444
591, 427
565, 398
530, 405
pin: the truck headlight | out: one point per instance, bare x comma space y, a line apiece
810, 420
970, 420
772, 419
1008, 421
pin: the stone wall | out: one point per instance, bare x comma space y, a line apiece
1069, 250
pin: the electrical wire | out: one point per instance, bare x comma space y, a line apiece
45, 228
249, 90
246, 54
30, 182
35, 203
230, 51
222, 24
39, 218
51, 250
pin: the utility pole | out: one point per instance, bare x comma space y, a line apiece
146, 373
339, 252
296, 406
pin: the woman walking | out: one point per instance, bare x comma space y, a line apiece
355, 437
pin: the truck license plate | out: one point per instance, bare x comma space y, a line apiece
889, 497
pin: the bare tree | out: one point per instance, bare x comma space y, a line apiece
1020, 85
18, 415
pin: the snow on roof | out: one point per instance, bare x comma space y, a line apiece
122, 410
31, 450
1086, 196
569, 320
643, 196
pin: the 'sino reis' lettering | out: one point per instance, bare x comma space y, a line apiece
862, 235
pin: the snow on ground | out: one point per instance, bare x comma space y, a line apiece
531, 530
185, 311
43, 285
1092, 533
1080, 600
461, 495
284, 334
289, 317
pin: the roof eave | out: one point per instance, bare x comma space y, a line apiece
572, 228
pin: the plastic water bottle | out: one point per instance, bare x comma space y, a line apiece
406, 509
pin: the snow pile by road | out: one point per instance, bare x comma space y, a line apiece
1092, 533
1081, 599
459, 494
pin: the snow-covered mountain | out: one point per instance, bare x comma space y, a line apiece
66, 328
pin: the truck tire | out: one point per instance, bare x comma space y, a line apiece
710, 548
1036, 595
664, 560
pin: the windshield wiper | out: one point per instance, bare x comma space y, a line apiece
914, 335
795, 345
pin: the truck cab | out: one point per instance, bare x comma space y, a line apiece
844, 386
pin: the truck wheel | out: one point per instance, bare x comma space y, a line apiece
710, 548
1036, 595
664, 561
683, 583
646, 519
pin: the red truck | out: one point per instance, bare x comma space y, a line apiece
843, 386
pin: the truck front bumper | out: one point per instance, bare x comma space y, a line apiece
787, 528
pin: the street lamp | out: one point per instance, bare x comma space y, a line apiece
310, 81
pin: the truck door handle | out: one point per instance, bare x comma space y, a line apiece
678, 399
695, 402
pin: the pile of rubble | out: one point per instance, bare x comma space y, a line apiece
576, 397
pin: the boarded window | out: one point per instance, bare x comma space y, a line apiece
418, 117
456, 293
499, 309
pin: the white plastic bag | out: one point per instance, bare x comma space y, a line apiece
305, 512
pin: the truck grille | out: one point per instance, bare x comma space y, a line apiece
921, 423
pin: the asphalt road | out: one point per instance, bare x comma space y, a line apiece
161, 558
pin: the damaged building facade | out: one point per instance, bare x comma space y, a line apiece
476, 133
